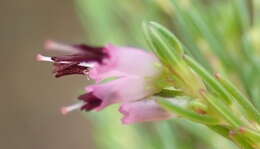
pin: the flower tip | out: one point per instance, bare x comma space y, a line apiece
40, 57
64, 110
52, 45
49, 44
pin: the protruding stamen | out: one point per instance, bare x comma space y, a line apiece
84, 64
40, 57
53, 45
67, 109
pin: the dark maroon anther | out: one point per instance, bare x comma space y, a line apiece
63, 69
79, 60
84, 48
84, 53
91, 101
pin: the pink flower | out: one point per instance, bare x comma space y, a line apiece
125, 61
147, 110
142, 111
134, 75
124, 89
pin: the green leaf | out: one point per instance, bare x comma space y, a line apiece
249, 108
220, 130
210, 80
169, 92
253, 134
168, 37
161, 46
222, 109
187, 113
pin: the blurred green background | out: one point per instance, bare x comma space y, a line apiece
221, 35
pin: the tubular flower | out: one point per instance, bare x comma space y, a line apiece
141, 111
123, 75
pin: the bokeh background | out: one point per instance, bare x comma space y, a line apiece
30, 96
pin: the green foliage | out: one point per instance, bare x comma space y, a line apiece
219, 94
210, 38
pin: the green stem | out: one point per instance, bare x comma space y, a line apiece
205, 119
223, 109
249, 108
210, 80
